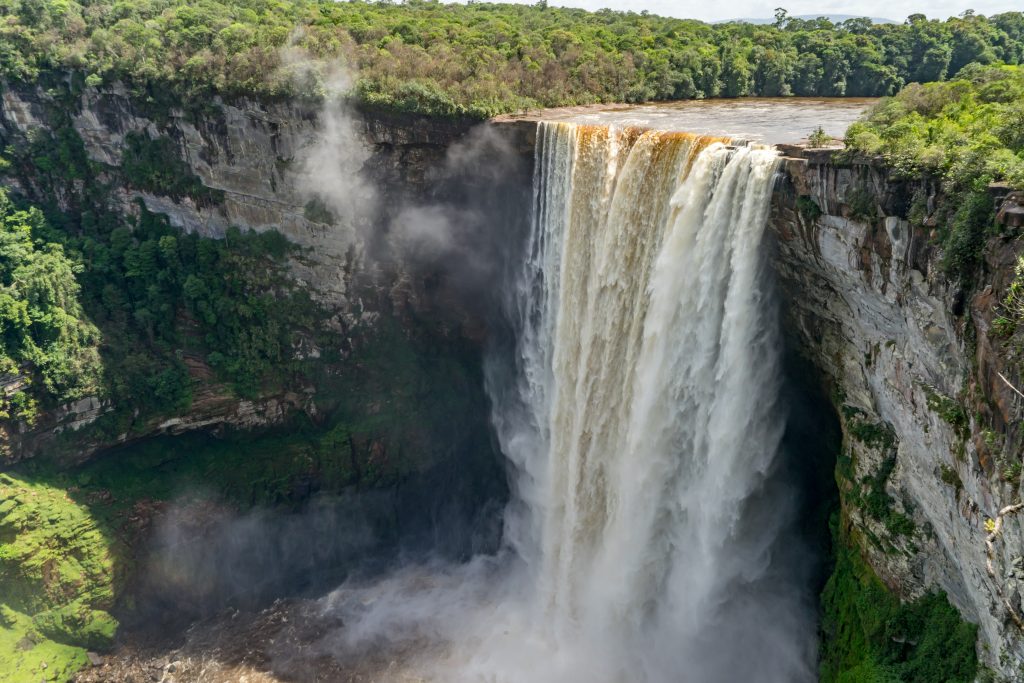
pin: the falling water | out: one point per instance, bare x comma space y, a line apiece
649, 538
649, 369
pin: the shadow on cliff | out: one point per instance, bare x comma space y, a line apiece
811, 443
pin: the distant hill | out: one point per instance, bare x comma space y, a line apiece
834, 18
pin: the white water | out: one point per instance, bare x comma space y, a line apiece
646, 539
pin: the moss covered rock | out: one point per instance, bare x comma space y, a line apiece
57, 573
28, 657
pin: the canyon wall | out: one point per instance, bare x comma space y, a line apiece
269, 165
925, 383
380, 429
925, 387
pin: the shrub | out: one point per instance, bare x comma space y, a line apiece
949, 476
949, 410
1014, 301
819, 138
861, 202
1012, 472
808, 208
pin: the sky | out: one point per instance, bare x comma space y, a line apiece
710, 10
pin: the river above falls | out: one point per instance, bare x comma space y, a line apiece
767, 120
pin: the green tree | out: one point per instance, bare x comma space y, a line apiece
47, 340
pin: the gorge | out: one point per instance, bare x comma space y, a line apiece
592, 386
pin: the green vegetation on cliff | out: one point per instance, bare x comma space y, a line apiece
116, 310
967, 133
481, 59
966, 130
46, 342
130, 310
870, 636
155, 165
162, 297
56, 569
869, 633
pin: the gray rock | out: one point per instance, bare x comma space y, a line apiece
867, 303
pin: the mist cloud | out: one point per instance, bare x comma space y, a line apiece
467, 233
331, 166
204, 556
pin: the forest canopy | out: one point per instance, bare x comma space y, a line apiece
482, 59
966, 132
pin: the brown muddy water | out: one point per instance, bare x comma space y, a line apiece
766, 120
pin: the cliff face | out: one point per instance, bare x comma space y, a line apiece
922, 383
386, 411
255, 154
356, 257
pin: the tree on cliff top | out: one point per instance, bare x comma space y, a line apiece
966, 133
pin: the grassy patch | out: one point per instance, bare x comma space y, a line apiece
24, 651
58, 578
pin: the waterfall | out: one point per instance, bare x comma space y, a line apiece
649, 538
648, 374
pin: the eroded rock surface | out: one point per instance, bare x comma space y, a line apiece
930, 429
